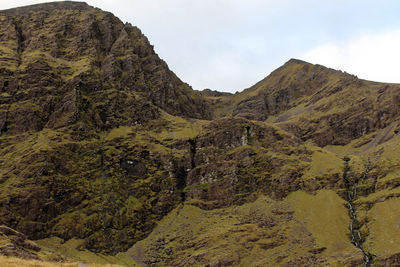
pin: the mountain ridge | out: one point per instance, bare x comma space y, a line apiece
49, 6
104, 150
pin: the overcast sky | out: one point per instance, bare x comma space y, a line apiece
228, 45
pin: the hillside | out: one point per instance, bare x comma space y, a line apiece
106, 156
71, 77
315, 103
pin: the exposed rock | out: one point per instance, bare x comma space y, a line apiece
16, 244
101, 142
317, 103
73, 61
230, 162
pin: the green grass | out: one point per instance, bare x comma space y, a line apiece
327, 219
384, 231
265, 232
71, 251
323, 163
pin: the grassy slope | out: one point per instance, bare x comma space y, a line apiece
16, 262
384, 237
215, 236
302, 228
323, 215
71, 251
262, 233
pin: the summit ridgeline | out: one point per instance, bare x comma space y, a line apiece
107, 156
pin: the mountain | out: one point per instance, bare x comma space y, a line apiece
315, 103
107, 156
73, 61
70, 74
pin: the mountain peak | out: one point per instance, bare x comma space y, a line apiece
51, 6
297, 61
67, 50
100, 143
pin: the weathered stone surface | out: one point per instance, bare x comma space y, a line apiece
321, 104
100, 141
16, 244
72, 61
231, 160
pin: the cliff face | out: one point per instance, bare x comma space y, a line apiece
67, 63
316, 103
100, 142
71, 73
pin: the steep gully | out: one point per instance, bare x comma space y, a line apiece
352, 183
20, 41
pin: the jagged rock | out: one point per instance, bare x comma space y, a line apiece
16, 244
230, 163
100, 141
313, 102
72, 57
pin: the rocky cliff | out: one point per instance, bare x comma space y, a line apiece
317, 103
72, 73
103, 149
65, 63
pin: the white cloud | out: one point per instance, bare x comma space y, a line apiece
373, 57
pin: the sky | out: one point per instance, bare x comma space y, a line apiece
229, 45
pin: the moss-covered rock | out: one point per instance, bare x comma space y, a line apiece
100, 142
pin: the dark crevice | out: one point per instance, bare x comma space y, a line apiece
248, 134
182, 173
352, 183
104, 179
192, 143
181, 176
78, 101
20, 40
4, 128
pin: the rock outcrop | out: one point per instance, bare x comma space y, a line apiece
16, 244
103, 148
316, 103
67, 62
